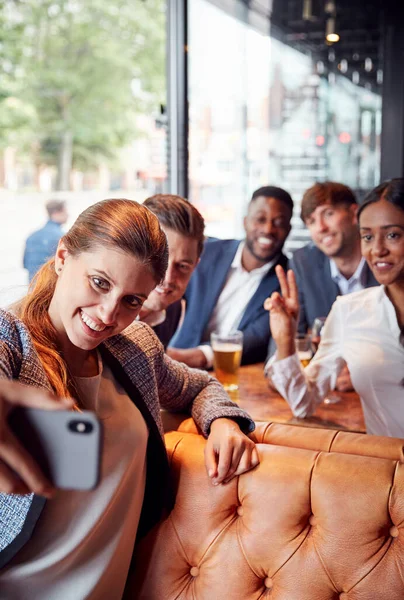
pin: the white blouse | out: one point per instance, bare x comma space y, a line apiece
361, 331
83, 543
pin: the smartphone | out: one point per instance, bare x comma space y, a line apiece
65, 444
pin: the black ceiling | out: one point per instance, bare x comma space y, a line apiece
358, 22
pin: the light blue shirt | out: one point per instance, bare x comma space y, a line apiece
356, 283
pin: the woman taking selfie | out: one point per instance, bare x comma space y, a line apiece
69, 339
364, 330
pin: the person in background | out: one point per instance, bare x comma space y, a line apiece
41, 245
184, 227
364, 330
332, 264
231, 282
76, 335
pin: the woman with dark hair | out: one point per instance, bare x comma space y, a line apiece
364, 330
76, 336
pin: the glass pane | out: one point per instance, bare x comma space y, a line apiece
272, 104
81, 89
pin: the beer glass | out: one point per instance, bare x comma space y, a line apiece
316, 330
227, 350
303, 348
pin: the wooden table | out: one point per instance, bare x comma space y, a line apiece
264, 404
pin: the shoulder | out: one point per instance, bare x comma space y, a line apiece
11, 328
215, 246
307, 254
138, 337
34, 235
360, 303
16, 345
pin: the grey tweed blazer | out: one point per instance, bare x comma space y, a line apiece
150, 378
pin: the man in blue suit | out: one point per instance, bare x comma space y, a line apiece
332, 264
228, 288
41, 245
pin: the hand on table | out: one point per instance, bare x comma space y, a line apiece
193, 357
344, 383
228, 452
284, 311
19, 473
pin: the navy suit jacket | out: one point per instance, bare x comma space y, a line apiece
168, 327
204, 290
317, 290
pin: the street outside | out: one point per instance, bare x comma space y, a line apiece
23, 213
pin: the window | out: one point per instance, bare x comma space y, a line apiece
81, 89
269, 108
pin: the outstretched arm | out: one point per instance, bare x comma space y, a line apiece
229, 451
19, 474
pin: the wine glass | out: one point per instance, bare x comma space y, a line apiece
316, 330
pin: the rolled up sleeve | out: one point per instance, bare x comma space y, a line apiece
305, 389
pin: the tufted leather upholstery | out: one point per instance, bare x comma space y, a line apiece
321, 518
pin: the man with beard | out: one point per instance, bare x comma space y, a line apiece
332, 264
231, 282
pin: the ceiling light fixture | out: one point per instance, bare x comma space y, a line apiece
330, 33
307, 10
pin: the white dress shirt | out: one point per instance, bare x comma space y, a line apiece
353, 284
237, 292
361, 331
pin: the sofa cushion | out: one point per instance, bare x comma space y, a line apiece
306, 524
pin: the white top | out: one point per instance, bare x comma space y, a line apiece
237, 292
83, 543
361, 331
353, 284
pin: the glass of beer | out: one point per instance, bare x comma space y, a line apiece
316, 330
303, 348
227, 350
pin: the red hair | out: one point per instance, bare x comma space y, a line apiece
118, 224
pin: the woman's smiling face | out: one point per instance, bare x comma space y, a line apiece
98, 294
381, 227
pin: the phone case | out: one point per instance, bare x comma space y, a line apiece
65, 444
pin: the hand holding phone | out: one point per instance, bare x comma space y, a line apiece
19, 473
66, 445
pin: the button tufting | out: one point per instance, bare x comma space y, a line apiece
240, 511
268, 583
394, 531
312, 520
194, 572
343, 596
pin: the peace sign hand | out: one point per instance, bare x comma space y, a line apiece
284, 312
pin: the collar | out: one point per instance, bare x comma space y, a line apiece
236, 264
359, 274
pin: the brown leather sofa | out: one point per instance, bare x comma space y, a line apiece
321, 518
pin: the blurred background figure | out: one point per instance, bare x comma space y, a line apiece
42, 244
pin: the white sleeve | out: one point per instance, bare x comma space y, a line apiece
208, 352
305, 389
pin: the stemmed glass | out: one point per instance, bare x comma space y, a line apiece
316, 330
